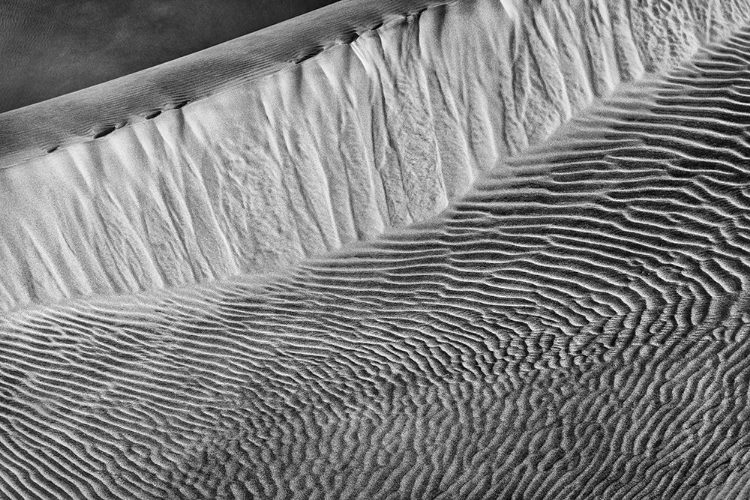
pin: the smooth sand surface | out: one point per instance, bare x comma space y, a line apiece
486, 250
50, 48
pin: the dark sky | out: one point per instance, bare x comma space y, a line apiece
52, 47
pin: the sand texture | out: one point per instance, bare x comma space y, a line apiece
483, 250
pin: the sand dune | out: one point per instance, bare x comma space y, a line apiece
489, 250
378, 132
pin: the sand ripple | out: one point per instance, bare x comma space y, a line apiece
575, 326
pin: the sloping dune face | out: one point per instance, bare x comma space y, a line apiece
376, 133
567, 319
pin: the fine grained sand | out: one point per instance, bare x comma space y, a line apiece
573, 325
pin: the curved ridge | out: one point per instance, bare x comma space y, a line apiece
248, 179
96, 111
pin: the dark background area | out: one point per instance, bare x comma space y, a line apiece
52, 47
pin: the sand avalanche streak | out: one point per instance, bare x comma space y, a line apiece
573, 324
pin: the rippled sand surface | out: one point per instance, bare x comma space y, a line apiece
481, 250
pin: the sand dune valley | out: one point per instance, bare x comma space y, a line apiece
417, 249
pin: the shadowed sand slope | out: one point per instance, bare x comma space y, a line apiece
50, 48
574, 325
379, 129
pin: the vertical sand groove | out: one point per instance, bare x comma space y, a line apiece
256, 174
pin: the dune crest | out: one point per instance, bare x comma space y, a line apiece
378, 132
